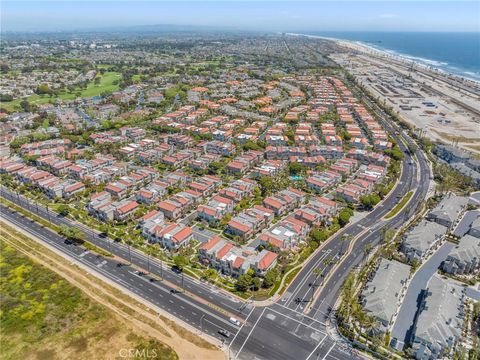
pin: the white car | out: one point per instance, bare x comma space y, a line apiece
234, 321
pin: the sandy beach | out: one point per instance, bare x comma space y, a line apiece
445, 107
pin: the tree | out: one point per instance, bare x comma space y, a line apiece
319, 235
215, 167
25, 105
210, 274
344, 216
266, 185
256, 282
270, 278
45, 124
243, 282
226, 219
369, 201
63, 210
5, 97
180, 262
71, 232
42, 89
295, 168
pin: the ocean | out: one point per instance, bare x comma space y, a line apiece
455, 53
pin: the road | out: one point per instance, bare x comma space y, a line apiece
155, 291
403, 326
295, 326
211, 294
297, 299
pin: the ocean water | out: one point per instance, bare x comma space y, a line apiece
455, 53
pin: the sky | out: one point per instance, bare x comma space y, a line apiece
435, 16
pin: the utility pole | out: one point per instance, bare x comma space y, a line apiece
48, 214
129, 253
201, 323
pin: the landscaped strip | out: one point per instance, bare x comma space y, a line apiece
399, 206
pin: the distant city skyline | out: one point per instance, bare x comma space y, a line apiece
433, 16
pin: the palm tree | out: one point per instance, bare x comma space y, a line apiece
327, 261
369, 323
366, 251
317, 272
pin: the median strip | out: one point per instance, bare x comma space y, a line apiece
399, 206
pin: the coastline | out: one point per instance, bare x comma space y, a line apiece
426, 64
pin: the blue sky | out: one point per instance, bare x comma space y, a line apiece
250, 15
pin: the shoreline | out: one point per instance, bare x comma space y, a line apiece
404, 58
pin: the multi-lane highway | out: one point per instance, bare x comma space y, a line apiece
294, 326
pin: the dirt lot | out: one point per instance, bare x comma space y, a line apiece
93, 320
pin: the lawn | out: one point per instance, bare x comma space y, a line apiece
42, 316
106, 84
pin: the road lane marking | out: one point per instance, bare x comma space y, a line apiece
316, 347
250, 333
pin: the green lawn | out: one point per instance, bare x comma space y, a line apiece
106, 84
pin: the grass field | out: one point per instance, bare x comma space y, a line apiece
42, 316
106, 84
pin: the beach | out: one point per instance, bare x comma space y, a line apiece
442, 106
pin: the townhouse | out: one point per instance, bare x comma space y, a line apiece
284, 201
216, 209
233, 261
249, 222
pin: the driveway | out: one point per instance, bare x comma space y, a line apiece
404, 323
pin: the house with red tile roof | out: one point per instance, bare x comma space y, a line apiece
264, 261
125, 209
216, 209
72, 189
173, 236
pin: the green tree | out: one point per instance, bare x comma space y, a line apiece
369, 201
63, 210
344, 216
243, 282
42, 89
295, 168
256, 283
270, 278
319, 235
71, 232
180, 262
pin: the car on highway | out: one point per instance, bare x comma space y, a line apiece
224, 332
234, 321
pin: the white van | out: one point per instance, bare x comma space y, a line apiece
234, 321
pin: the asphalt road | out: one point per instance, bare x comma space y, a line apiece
402, 328
130, 255
154, 291
278, 331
